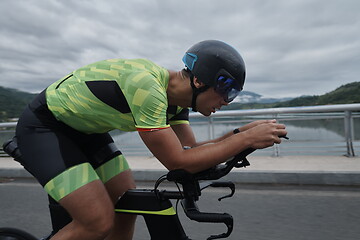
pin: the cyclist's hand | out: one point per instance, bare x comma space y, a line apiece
266, 134
254, 124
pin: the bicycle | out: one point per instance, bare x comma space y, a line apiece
154, 205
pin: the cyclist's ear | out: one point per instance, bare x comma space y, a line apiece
197, 83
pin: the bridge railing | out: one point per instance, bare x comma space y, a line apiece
339, 126
342, 119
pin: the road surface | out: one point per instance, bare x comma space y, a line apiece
260, 212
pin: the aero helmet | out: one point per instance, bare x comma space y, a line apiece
218, 65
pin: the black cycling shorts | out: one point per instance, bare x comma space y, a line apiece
61, 158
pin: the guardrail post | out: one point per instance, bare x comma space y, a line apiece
348, 121
211, 128
276, 147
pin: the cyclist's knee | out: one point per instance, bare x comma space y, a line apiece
90, 208
100, 223
119, 184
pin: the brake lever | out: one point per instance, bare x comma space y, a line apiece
230, 185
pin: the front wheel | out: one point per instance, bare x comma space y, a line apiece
15, 234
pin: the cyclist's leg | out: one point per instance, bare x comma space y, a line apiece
61, 167
113, 170
92, 212
124, 223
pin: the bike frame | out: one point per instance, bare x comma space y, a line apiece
160, 216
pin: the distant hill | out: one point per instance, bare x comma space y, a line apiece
12, 103
346, 94
251, 97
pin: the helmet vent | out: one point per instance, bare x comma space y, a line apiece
189, 59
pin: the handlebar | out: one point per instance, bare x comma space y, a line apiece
214, 173
192, 190
193, 213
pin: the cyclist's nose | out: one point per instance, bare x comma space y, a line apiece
223, 102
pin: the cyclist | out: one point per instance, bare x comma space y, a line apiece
63, 134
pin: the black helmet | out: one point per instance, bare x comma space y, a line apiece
218, 65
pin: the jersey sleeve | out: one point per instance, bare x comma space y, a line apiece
148, 102
178, 115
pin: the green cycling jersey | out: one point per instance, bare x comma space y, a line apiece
115, 94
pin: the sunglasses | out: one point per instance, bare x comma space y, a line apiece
228, 88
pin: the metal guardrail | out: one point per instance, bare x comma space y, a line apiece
8, 124
5, 134
347, 112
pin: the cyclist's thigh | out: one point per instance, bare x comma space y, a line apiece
119, 184
89, 205
45, 152
109, 163
53, 156
104, 156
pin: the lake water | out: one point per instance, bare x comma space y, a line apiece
310, 137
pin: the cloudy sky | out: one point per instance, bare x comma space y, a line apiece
291, 47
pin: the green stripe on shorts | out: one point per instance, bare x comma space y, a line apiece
112, 168
70, 180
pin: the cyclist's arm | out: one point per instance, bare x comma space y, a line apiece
167, 148
187, 138
185, 134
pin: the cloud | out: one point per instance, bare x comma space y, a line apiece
291, 48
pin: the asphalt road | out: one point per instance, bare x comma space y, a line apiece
260, 212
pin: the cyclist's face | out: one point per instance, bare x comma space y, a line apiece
209, 101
